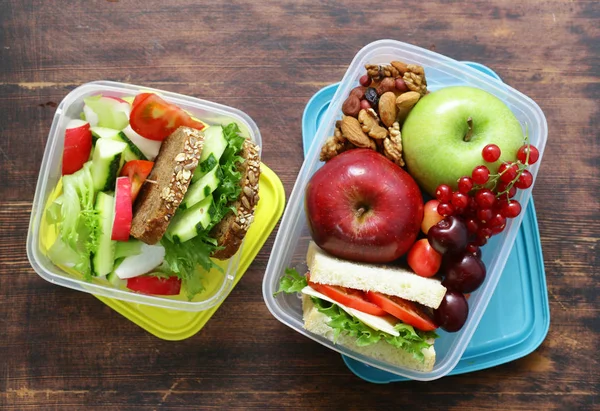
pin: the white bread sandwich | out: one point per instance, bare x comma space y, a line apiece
378, 311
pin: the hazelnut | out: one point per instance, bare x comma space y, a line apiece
351, 106
358, 92
387, 84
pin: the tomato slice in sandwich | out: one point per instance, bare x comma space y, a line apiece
406, 311
349, 297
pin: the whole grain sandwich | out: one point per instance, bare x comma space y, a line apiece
201, 195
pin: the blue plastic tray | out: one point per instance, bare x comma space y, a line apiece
518, 316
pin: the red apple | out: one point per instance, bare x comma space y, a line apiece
362, 207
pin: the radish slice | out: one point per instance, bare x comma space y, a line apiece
149, 147
77, 147
90, 115
76, 123
123, 210
151, 257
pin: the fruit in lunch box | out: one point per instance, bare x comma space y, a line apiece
463, 272
423, 259
444, 134
453, 311
360, 206
430, 215
449, 235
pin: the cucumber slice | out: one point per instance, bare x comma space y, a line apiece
201, 189
128, 248
132, 152
102, 260
114, 279
214, 146
149, 148
111, 113
106, 162
188, 223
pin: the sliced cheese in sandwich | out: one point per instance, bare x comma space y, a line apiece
385, 324
396, 281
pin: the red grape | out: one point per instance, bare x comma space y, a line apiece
484, 232
463, 272
511, 209
459, 200
525, 180
465, 184
472, 225
491, 153
497, 221
473, 249
453, 311
498, 229
480, 174
449, 235
534, 154
485, 198
508, 172
445, 209
443, 193
485, 214
502, 187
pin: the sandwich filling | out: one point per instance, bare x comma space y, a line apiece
190, 244
361, 320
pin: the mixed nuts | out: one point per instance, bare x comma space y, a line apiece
373, 112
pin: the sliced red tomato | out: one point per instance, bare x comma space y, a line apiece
155, 119
137, 171
148, 284
349, 297
406, 311
78, 145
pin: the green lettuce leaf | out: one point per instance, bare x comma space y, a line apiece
291, 282
188, 260
342, 323
78, 226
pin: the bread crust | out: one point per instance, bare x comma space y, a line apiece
232, 229
166, 185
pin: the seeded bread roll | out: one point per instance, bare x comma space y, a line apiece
231, 230
168, 182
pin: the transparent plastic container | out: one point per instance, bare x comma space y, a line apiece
40, 235
291, 243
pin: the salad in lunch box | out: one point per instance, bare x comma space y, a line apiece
150, 196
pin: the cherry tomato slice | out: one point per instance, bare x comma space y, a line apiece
137, 171
348, 297
155, 119
148, 284
406, 311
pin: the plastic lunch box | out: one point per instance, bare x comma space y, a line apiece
292, 239
41, 236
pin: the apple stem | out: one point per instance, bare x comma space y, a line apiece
470, 130
360, 212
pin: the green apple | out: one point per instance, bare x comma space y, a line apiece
444, 134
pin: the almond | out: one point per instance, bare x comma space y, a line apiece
387, 108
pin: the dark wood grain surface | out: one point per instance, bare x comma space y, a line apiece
62, 349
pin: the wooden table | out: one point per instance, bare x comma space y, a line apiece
62, 349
